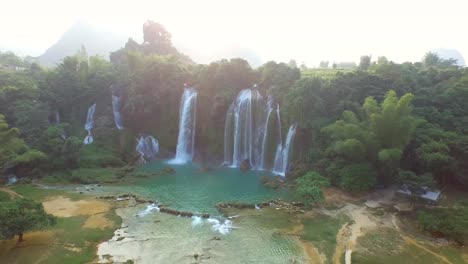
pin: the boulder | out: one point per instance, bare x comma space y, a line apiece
245, 165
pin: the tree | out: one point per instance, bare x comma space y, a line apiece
431, 59
357, 177
364, 62
324, 64
14, 153
382, 60
22, 215
309, 187
158, 38
379, 137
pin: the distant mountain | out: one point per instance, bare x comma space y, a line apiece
96, 42
451, 53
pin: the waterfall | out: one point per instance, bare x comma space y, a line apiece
148, 147
57, 122
282, 153
187, 124
57, 118
241, 144
116, 110
228, 135
89, 124
249, 129
265, 132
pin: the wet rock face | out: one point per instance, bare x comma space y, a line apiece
245, 165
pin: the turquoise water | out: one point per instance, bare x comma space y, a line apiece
194, 190
256, 236
162, 238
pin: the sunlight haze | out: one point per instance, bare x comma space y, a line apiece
307, 31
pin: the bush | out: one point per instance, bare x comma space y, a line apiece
94, 156
452, 223
357, 177
309, 187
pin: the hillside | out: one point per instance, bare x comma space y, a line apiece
96, 42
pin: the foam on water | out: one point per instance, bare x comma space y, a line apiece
222, 227
149, 209
197, 220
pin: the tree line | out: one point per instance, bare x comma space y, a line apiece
359, 127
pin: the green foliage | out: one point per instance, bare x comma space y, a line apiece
309, 187
22, 215
432, 59
414, 181
31, 157
384, 132
94, 156
322, 231
10, 59
364, 63
410, 116
357, 177
4, 196
14, 153
31, 118
452, 223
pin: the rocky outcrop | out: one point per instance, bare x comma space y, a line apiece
280, 204
245, 165
273, 182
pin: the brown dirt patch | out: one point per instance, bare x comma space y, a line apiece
98, 221
336, 196
312, 253
64, 207
34, 249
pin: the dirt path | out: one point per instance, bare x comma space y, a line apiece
349, 233
312, 253
12, 193
414, 242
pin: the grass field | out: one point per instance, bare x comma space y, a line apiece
66, 242
322, 230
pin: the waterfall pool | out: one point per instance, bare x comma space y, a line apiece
192, 188
246, 236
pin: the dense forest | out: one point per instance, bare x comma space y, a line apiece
358, 127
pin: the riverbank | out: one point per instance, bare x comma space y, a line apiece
83, 222
364, 228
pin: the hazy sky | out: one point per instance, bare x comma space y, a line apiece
307, 31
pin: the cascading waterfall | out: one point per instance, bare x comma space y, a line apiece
116, 110
241, 144
187, 124
57, 122
148, 147
282, 153
228, 135
57, 118
89, 124
265, 131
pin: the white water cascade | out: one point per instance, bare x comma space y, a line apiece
116, 110
281, 165
57, 118
242, 133
148, 147
187, 124
57, 122
89, 124
271, 109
